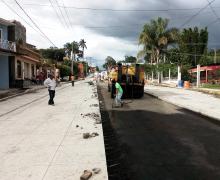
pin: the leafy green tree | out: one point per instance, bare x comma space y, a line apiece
174, 56
97, 68
109, 61
64, 70
130, 59
53, 54
206, 60
75, 69
193, 45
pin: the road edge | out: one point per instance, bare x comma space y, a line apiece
210, 118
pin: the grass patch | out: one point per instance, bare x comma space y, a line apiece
211, 86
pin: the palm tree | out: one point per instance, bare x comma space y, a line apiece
155, 37
74, 48
82, 44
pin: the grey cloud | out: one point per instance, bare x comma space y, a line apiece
127, 25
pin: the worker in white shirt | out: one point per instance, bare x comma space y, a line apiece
50, 83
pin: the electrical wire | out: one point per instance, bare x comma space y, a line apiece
18, 15
34, 23
103, 27
22, 18
58, 17
188, 54
214, 12
122, 10
62, 14
213, 22
127, 10
196, 14
67, 14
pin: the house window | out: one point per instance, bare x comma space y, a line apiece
1, 38
19, 69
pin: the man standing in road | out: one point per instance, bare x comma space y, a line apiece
119, 93
50, 83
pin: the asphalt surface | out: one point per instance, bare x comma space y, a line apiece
160, 141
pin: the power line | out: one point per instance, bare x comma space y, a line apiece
213, 22
67, 14
18, 14
196, 14
189, 54
214, 12
56, 12
109, 9
34, 23
144, 10
61, 13
21, 17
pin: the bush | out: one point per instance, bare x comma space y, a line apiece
64, 70
185, 74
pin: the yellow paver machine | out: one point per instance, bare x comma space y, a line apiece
130, 77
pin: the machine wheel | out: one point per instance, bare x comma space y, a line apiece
112, 93
141, 92
109, 88
112, 90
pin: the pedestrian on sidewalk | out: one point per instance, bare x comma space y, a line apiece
119, 93
50, 83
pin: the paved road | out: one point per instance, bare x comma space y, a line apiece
161, 141
205, 104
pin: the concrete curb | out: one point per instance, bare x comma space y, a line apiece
34, 100
203, 90
20, 94
184, 107
207, 91
26, 92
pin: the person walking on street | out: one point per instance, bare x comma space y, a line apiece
50, 83
119, 93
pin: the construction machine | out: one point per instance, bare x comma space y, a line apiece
130, 77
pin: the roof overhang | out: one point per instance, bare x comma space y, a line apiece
6, 22
27, 58
7, 52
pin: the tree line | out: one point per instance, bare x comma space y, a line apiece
164, 47
67, 58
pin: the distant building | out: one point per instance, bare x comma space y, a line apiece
18, 59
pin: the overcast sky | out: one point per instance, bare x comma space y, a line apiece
109, 27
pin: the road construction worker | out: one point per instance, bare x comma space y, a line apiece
119, 93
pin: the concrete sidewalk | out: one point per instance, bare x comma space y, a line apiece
41, 142
199, 102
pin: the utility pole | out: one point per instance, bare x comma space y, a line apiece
215, 55
198, 76
195, 57
72, 61
86, 65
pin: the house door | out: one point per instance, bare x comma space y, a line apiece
26, 70
12, 74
